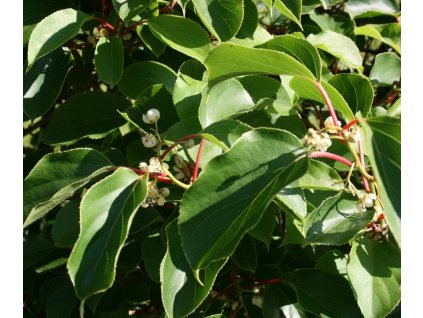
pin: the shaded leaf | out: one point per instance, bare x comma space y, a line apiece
108, 59
62, 300
89, 114
65, 229
382, 143
293, 200
299, 49
356, 90
333, 262
223, 18
141, 75
150, 41
374, 270
320, 176
181, 292
223, 204
389, 33
323, 293
183, 35
222, 101
153, 251
43, 82
336, 221
386, 70
335, 23
249, 22
107, 210
35, 11
53, 31
245, 255
230, 60
306, 89
57, 176
339, 46
35, 248
370, 8
263, 230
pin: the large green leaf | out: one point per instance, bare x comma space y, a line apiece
107, 210
62, 299
292, 199
336, 220
389, 33
245, 255
298, 48
183, 35
336, 23
306, 89
57, 176
35, 11
291, 9
89, 114
233, 191
386, 70
223, 18
181, 292
150, 41
153, 251
129, 9
356, 90
43, 82
222, 101
35, 248
53, 31
322, 293
370, 8
141, 75
263, 230
382, 144
108, 60
339, 46
230, 60
187, 90
250, 21
374, 270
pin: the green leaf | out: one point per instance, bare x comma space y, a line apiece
153, 251
108, 60
386, 70
89, 114
336, 221
336, 23
27, 30
333, 262
263, 230
232, 193
323, 293
371, 8
43, 82
245, 255
129, 9
308, 90
65, 229
293, 200
107, 210
181, 292
249, 22
320, 176
223, 101
291, 9
395, 109
356, 90
339, 46
389, 33
35, 11
374, 270
57, 176
230, 60
150, 41
35, 248
53, 31
181, 34
382, 144
187, 90
141, 75
298, 48
62, 300
273, 299
223, 18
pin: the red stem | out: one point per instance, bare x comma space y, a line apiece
234, 273
163, 155
271, 281
197, 160
350, 124
329, 155
328, 102
392, 97
361, 153
159, 176
106, 24
132, 27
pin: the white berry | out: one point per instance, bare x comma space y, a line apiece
152, 116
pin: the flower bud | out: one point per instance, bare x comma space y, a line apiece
143, 167
152, 116
149, 141
189, 143
331, 127
179, 161
257, 301
164, 192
